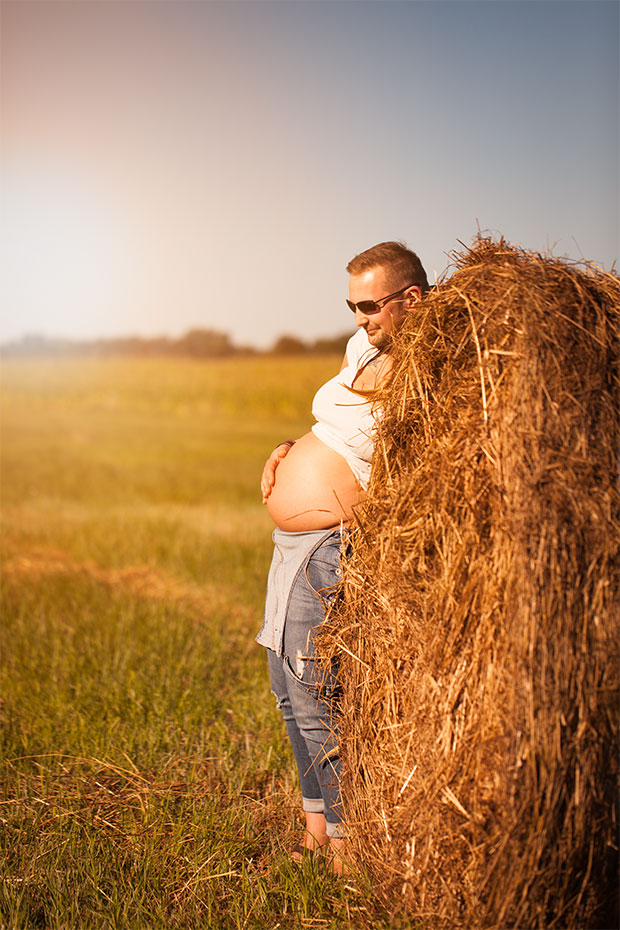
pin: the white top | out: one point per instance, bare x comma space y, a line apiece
345, 421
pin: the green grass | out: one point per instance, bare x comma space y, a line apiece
146, 778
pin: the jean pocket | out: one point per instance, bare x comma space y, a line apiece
302, 673
313, 678
323, 574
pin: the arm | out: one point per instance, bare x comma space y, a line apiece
268, 478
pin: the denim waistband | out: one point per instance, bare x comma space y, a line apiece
292, 552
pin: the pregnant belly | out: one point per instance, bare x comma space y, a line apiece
314, 489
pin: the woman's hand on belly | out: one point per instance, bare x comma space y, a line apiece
268, 478
314, 488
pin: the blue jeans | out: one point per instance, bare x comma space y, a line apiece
307, 695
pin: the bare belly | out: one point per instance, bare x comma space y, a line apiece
314, 489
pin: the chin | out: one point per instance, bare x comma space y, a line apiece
379, 340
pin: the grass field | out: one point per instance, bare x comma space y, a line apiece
146, 779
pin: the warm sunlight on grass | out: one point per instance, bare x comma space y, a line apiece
147, 780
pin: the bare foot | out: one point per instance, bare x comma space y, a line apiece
315, 836
337, 861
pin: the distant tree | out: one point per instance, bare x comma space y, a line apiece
289, 345
197, 343
158, 346
205, 343
247, 351
329, 346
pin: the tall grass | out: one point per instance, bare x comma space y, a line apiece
146, 779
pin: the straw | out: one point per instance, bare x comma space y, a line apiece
478, 632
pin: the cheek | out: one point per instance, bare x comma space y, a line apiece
386, 322
397, 318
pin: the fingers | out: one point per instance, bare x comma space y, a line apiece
268, 478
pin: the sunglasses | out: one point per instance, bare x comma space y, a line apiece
368, 307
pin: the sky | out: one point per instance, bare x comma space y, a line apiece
177, 164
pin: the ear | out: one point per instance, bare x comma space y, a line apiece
412, 295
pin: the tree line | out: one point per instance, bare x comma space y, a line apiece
197, 343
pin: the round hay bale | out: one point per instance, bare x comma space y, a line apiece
478, 633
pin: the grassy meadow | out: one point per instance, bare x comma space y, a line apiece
146, 778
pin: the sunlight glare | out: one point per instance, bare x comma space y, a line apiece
65, 252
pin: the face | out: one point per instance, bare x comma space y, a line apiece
372, 285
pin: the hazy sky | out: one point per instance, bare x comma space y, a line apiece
168, 165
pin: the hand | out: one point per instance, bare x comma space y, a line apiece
268, 478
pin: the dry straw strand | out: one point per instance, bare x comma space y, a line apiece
477, 635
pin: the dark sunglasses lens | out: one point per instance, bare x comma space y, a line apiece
367, 307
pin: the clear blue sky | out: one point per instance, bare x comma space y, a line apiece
175, 164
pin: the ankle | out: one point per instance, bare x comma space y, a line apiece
338, 862
316, 834
315, 840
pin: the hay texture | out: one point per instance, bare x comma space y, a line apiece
478, 633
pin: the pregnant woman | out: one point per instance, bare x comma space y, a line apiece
311, 487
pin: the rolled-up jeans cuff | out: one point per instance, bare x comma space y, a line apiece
335, 831
312, 805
